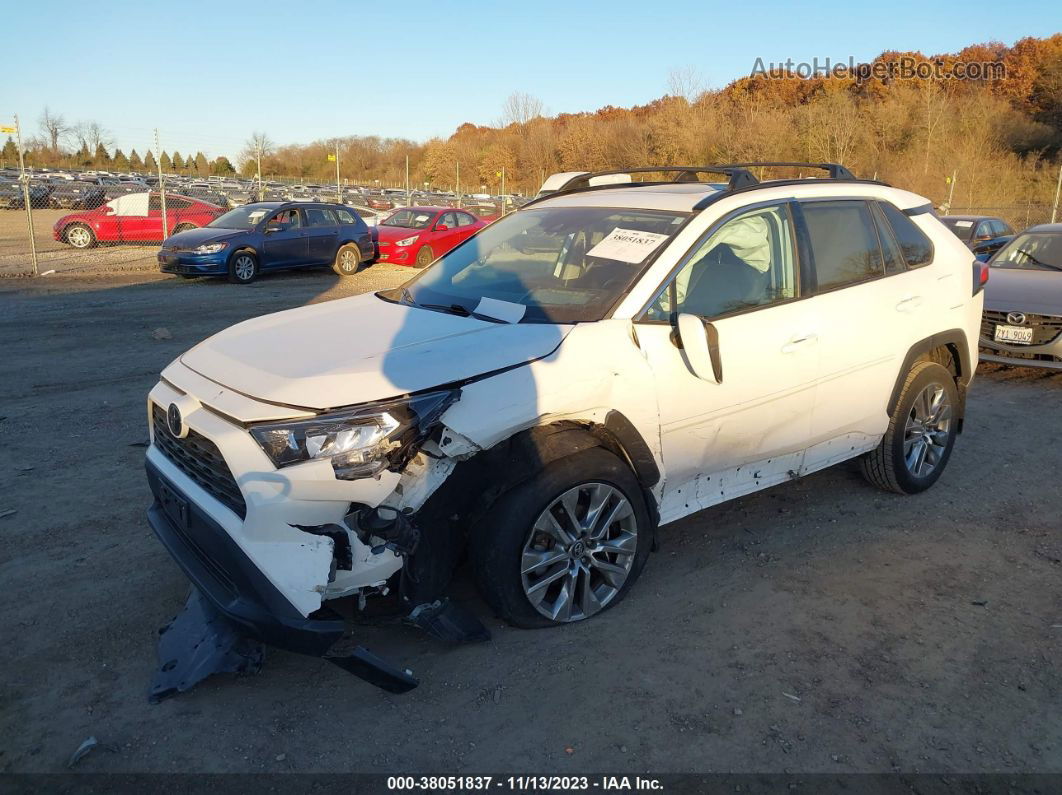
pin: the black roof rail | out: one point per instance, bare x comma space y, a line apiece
835, 170
738, 177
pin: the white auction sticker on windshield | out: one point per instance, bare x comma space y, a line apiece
627, 245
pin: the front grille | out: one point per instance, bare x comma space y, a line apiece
1046, 328
199, 458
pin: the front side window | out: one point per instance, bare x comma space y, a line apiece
1040, 251
447, 220
843, 241
916, 247
288, 219
562, 264
748, 262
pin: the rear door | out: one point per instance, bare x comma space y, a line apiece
286, 244
322, 234
467, 225
871, 308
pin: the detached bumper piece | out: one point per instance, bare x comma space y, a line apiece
234, 608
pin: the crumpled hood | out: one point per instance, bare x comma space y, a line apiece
190, 238
1016, 290
359, 349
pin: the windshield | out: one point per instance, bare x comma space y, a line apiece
241, 218
410, 219
1031, 251
551, 265
963, 227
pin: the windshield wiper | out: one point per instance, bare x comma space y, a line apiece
1038, 262
406, 297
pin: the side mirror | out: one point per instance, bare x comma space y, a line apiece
441, 227
699, 340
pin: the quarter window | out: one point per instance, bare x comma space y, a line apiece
916, 247
747, 262
890, 250
844, 242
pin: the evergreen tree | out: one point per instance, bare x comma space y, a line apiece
165, 162
135, 163
202, 168
83, 158
222, 167
9, 155
150, 165
101, 159
178, 161
120, 161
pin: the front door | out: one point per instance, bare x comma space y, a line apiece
285, 240
749, 430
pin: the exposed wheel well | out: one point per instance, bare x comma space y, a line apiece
948, 349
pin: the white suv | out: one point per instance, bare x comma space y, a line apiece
602, 362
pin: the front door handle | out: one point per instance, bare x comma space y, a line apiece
909, 304
796, 342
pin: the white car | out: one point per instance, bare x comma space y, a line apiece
601, 363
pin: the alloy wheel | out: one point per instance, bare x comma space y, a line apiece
348, 263
927, 431
579, 552
79, 237
244, 267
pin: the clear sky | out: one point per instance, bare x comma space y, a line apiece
209, 73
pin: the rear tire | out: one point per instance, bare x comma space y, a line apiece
506, 542
80, 236
243, 267
425, 257
921, 433
347, 261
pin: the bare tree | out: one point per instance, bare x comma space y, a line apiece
54, 127
520, 108
259, 145
686, 82
92, 135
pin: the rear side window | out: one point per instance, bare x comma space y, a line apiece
844, 242
318, 216
890, 249
916, 247
344, 216
464, 219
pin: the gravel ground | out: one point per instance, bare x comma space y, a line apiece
821, 626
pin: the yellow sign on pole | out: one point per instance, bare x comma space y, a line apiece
4, 129
331, 158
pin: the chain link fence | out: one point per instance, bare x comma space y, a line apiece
111, 212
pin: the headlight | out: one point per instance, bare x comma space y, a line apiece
360, 442
210, 248
409, 241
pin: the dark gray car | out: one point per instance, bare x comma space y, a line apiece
1022, 321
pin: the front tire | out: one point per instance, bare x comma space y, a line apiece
921, 433
80, 236
564, 545
347, 261
243, 267
425, 257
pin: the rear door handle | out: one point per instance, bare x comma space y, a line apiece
909, 304
796, 342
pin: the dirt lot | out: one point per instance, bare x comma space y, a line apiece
821, 626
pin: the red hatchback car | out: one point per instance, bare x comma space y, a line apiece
417, 235
134, 218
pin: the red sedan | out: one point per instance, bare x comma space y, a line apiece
134, 218
417, 235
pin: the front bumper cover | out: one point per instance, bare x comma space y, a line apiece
233, 601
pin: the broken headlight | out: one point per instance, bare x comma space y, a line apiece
361, 441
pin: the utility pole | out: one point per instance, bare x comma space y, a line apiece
162, 184
26, 195
951, 190
339, 190
258, 162
408, 199
458, 191
1058, 188
503, 202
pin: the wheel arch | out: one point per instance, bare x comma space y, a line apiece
949, 349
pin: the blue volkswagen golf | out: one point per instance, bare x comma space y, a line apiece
268, 236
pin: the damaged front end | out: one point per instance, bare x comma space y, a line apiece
269, 579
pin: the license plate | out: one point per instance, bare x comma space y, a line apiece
1020, 334
174, 506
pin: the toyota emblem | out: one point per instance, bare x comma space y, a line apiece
1016, 318
174, 421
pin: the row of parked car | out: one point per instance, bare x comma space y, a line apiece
87, 190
